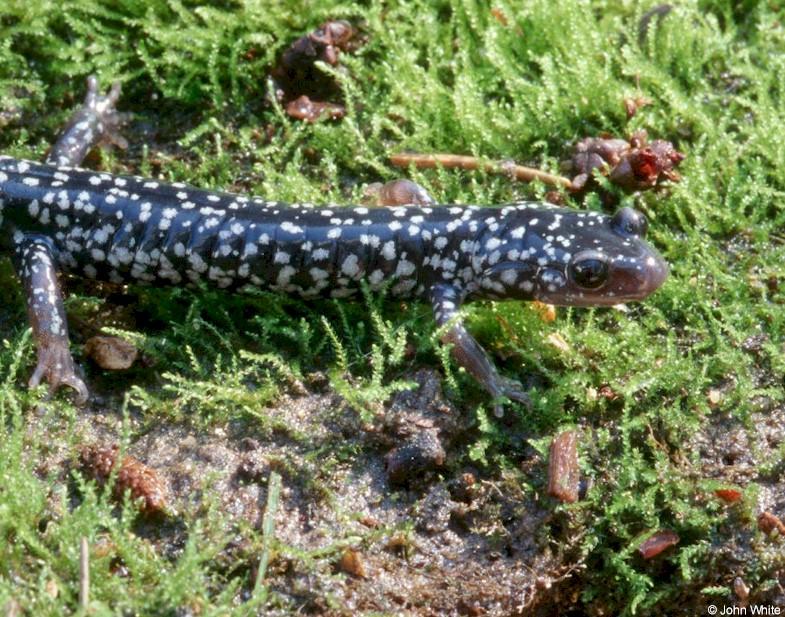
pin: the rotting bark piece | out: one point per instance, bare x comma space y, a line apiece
634, 165
563, 471
111, 352
146, 488
325, 44
657, 543
645, 164
593, 153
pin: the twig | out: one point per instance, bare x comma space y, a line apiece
84, 575
525, 174
268, 529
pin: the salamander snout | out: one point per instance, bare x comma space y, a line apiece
613, 264
598, 278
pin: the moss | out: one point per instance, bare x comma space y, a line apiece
519, 82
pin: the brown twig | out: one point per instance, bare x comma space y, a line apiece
524, 174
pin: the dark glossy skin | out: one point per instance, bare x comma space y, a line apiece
134, 230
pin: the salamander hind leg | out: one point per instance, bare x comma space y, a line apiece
398, 193
35, 264
96, 122
470, 354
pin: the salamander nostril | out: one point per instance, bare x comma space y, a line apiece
629, 222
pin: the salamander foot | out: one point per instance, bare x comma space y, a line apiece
56, 367
103, 107
95, 123
512, 390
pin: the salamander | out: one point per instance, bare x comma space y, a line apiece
58, 218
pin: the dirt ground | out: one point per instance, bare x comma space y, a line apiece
397, 527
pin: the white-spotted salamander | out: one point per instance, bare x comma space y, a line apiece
55, 218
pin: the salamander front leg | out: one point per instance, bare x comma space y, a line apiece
96, 122
468, 352
34, 260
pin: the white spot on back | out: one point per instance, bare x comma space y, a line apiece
350, 266
388, 250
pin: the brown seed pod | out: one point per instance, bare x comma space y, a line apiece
301, 85
146, 488
633, 103
634, 165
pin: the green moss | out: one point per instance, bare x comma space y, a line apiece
434, 76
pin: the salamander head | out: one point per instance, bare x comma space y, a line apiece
572, 258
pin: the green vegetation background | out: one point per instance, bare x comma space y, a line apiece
520, 82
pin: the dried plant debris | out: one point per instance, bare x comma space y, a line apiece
563, 471
633, 103
472, 163
741, 589
352, 563
768, 523
729, 495
657, 543
111, 352
145, 486
303, 108
304, 89
423, 453
634, 165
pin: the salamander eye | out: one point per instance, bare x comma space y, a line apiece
589, 272
629, 222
